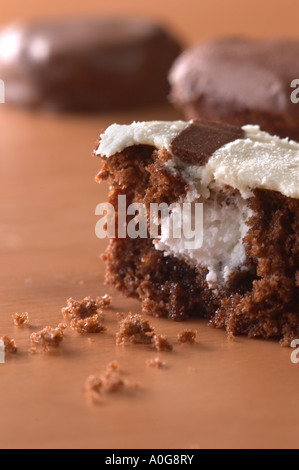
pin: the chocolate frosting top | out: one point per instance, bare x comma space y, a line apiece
200, 139
241, 73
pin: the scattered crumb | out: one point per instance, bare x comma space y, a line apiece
113, 365
191, 369
93, 383
80, 309
93, 397
9, 344
187, 336
88, 325
20, 319
156, 362
46, 338
81, 282
230, 336
134, 329
120, 315
161, 343
110, 381
104, 301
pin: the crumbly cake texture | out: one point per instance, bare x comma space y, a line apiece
161, 343
156, 362
134, 329
110, 381
86, 315
20, 319
187, 336
244, 278
9, 344
239, 81
87, 307
47, 338
87, 325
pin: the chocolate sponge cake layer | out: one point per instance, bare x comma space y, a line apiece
240, 81
245, 276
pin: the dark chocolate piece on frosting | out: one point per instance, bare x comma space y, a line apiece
199, 140
86, 64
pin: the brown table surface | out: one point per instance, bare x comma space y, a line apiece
216, 393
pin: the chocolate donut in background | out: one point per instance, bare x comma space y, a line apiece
89, 64
239, 81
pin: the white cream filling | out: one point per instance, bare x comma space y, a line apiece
224, 227
257, 161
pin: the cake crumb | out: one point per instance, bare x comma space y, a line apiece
120, 315
134, 329
46, 338
230, 336
110, 381
187, 336
88, 325
20, 319
93, 397
80, 309
113, 365
161, 343
104, 301
93, 384
9, 345
156, 362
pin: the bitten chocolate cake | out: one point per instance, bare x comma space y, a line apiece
86, 63
245, 275
239, 81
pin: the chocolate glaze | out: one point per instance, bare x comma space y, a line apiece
200, 139
86, 64
239, 81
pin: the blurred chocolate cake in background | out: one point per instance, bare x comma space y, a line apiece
239, 81
88, 64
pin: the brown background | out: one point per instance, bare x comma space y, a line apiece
217, 393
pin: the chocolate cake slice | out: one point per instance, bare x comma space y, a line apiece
244, 275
